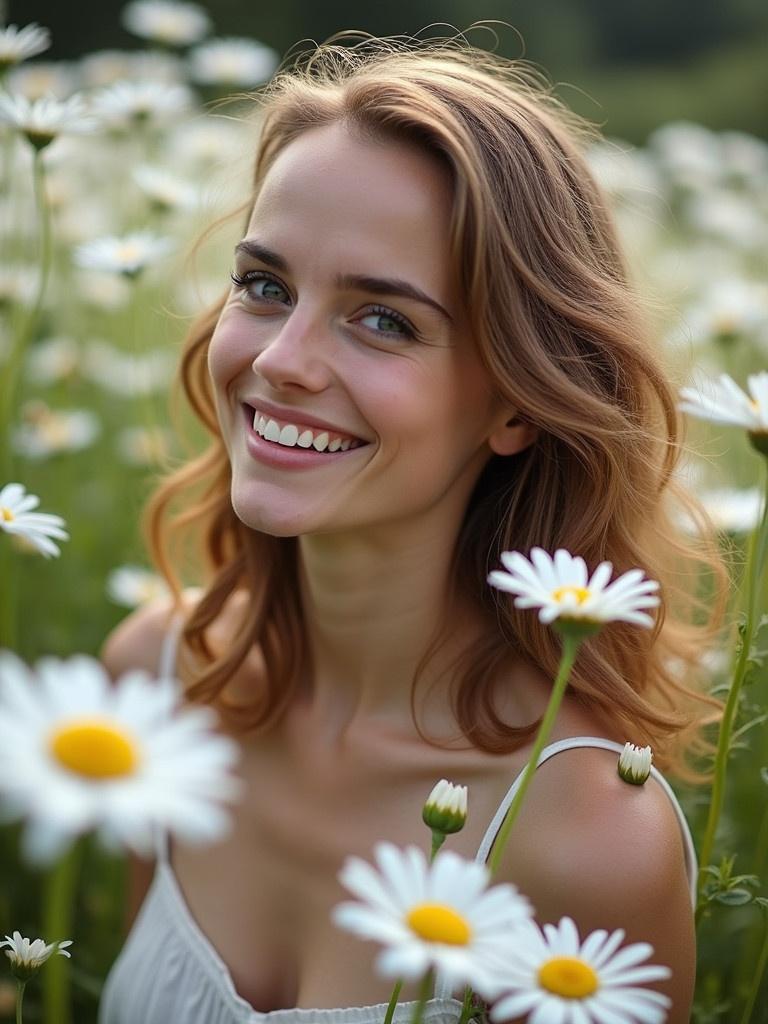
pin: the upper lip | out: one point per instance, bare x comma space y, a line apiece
297, 417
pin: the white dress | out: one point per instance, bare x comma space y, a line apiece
169, 973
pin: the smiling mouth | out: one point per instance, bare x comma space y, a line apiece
298, 435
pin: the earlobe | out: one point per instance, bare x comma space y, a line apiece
514, 436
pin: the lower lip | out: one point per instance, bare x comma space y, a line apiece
271, 453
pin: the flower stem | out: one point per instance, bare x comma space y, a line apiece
57, 925
12, 367
754, 570
392, 1003
466, 1009
426, 987
438, 838
21, 985
570, 647
756, 980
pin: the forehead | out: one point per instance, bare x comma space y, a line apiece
363, 204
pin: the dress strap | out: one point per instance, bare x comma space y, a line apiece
571, 743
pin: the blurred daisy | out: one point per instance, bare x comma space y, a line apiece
27, 956
165, 190
53, 360
17, 44
144, 446
232, 62
128, 255
127, 105
17, 284
37, 528
560, 589
555, 977
131, 586
174, 24
440, 915
733, 510
124, 373
731, 309
727, 403
43, 78
106, 67
79, 752
41, 121
46, 431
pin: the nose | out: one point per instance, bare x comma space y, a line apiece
298, 356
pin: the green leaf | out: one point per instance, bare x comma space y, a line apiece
734, 897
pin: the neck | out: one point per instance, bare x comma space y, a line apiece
373, 604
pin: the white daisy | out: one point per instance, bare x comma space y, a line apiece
47, 432
126, 373
635, 764
232, 62
126, 105
555, 978
18, 519
560, 589
78, 752
163, 21
727, 403
733, 510
165, 190
43, 78
144, 446
28, 956
17, 44
131, 586
439, 915
128, 255
41, 121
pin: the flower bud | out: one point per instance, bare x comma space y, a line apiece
635, 764
446, 808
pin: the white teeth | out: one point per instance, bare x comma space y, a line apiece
289, 435
272, 431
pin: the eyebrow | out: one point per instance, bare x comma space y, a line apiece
356, 282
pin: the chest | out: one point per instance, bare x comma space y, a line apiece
263, 897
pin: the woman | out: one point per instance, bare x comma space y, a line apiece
429, 354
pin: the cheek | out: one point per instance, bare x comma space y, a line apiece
227, 353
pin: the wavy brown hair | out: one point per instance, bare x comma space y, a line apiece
563, 337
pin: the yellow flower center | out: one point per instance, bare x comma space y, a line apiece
437, 923
128, 252
569, 977
94, 748
581, 593
6, 515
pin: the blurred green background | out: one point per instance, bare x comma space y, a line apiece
627, 66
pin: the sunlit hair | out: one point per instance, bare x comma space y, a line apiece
563, 337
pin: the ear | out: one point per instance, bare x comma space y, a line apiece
513, 435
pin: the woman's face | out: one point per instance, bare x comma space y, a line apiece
345, 325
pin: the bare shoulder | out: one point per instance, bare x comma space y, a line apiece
609, 855
137, 641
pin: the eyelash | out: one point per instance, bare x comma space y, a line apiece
242, 281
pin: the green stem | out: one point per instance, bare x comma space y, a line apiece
393, 1003
12, 368
427, 985
21, 985
58, 914
467, 1007
438, 838
570, 647
9, 598
756, 558
756, 980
